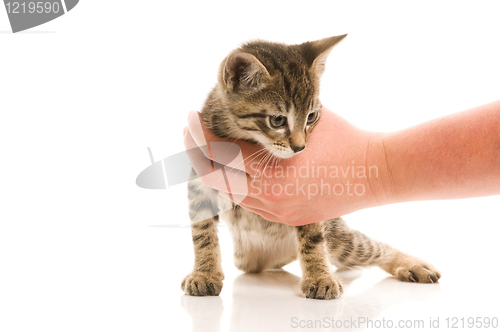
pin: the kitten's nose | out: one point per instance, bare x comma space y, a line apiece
297, 149
297, 142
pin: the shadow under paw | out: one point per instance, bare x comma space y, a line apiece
323, 288
202, 284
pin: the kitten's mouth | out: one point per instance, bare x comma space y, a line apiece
281, 152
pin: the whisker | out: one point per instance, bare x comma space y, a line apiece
259, 153
268, 157
261, 162
249, 157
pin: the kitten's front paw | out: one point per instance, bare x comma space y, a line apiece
202, 284
421, 273
323, 288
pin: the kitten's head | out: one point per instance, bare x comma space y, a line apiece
269, 93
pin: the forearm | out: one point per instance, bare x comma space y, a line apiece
456, 156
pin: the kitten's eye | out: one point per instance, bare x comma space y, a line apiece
277, 121
312, 117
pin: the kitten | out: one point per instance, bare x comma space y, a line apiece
267, 93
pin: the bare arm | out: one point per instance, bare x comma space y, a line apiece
456, 156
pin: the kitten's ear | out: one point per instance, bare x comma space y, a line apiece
316, 52
242, 71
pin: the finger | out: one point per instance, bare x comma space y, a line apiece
203, 166
271, 217
247, 205
196, 130
224, 154
252, 204
244, 200
262, 213
218, 176
224, 178
189, 142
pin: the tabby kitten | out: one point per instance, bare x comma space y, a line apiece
267, 93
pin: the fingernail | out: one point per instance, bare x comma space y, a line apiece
191, 114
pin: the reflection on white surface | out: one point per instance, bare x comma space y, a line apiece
272, 301
205, 312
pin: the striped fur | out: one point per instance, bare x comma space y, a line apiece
258, 81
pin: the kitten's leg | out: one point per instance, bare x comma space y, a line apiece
318, 281
349, 248
206, 277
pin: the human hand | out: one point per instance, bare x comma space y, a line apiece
340, 171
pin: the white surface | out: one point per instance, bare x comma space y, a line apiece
83, 96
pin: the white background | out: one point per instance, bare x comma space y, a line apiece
82, 248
